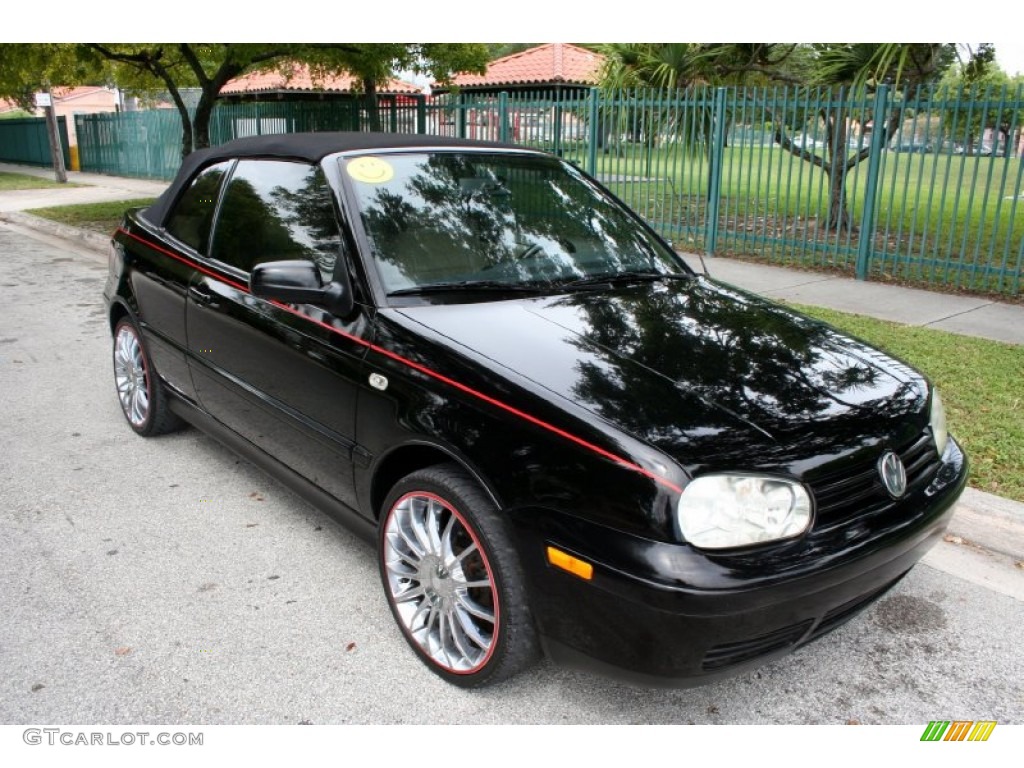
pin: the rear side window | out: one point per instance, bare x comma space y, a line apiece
276, 210
190, 221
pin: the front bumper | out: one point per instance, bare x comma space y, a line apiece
667, 614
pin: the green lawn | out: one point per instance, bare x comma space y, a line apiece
948, 220
980, 382
96, 217
12, 181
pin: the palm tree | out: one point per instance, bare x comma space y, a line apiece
674, 71
847, 71
681, 69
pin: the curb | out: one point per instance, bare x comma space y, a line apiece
92, 240
991, 522
982, 519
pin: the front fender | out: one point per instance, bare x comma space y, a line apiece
526, 446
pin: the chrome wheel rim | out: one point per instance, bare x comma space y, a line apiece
130, 376
440, 582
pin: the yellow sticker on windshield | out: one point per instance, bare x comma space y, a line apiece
370, 170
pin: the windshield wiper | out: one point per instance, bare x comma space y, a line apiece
634, 276
466, 285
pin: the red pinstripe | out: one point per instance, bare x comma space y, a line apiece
422, 369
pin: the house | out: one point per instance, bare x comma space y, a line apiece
552, 69
83, 100
275, 101
554, 74
299, 84
10, 108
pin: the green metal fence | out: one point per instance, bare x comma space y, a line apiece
148, 143
24, 140
144, 144
922, 187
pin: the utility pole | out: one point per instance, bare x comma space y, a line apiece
45, 100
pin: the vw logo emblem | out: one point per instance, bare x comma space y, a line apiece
894, 476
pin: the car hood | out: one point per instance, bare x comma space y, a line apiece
695, 368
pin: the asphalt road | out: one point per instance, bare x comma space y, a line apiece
167, 581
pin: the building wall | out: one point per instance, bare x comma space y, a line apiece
87, 104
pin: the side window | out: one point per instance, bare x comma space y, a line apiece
193, 213
275, 210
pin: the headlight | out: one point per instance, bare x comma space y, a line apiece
725, 511
937, 421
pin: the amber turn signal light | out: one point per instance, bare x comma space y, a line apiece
567, 562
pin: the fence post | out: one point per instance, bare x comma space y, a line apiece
393, 114
421, 114
504, 134
865, 246
715, 184
557, 127
593, 131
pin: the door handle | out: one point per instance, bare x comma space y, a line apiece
202, 296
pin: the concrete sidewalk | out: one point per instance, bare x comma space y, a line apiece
989, 521
966, 315
81, 188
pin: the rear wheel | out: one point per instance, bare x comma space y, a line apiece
453, 579
139, 389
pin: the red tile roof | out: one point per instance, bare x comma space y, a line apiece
66, 93
300, 79
546, 64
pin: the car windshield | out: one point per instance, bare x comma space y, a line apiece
496, 221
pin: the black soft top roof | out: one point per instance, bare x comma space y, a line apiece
308, 147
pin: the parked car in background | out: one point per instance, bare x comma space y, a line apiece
919, 148
556, 435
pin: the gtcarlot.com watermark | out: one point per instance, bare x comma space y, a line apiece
54, 736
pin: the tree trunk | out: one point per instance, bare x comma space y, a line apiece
186, 137
201, 119
835, 170
838, 214
372, 107
186, 123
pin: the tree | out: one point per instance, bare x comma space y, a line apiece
853, 69
374, 63
29, 69
835, 69
209, 66
501, 50
1001, 111
685, 68
673, 67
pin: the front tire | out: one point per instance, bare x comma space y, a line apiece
453, 579
139, 389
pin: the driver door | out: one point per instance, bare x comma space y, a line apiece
283, 377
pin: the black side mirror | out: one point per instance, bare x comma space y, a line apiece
298, 282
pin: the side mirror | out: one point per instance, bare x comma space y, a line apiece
298, 282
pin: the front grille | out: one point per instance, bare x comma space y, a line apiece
858, 489
729, 654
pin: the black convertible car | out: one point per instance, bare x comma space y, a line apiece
559, 437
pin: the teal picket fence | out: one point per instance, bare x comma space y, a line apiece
23, 140
920, 187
